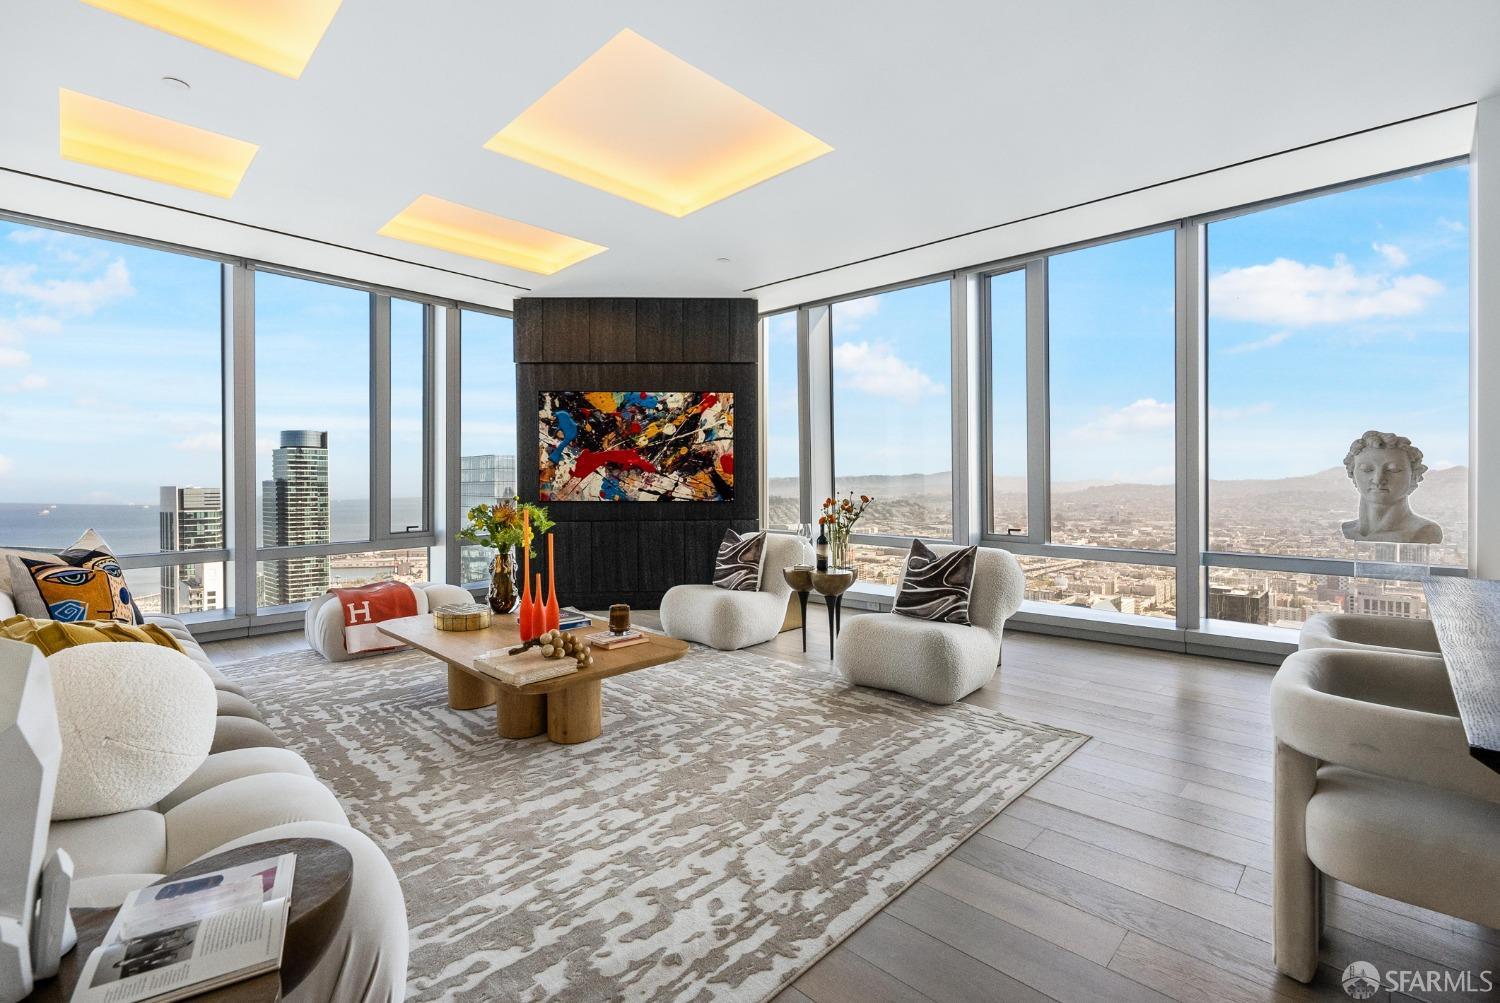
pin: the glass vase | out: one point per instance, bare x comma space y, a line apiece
502, 596
838, 551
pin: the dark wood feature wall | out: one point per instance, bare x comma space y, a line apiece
632, 552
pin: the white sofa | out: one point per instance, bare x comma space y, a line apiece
1367, 632
729, 620
937, 662
248, 790
324, 622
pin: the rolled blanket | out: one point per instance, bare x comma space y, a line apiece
368, 605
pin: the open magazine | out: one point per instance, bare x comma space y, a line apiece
186, 937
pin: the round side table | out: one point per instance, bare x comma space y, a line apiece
800, 578
832, 585
320, 893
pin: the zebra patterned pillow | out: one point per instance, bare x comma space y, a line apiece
737, 567
936, 587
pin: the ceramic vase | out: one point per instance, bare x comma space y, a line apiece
502, 595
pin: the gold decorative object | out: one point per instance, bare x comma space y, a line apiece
462, 616
556, 644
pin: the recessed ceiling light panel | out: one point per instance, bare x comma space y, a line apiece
118, 138
638, 122
277, 34
448, 226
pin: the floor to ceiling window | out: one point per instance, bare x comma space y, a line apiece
783, 445
487, 434
1331, 317
408, 463
892, 410
1111, 348
1007, 502
110, 363
1334, 350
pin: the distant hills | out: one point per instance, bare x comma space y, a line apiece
1444, 490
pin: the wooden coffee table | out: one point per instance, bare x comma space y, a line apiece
568, 708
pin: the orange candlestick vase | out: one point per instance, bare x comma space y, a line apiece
528, 628
554, 614
538, 610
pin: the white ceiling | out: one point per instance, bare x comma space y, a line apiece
944, 117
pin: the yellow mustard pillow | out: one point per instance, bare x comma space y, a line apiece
54, 635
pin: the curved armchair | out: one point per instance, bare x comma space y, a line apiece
323, 622
1365, 632
730, 620
937, 662
1375, 787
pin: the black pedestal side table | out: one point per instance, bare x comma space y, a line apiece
832, 585
799, 578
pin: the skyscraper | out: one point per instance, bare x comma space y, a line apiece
483, 479
192, 519
294, 512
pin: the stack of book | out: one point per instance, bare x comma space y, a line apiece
606, 640
572, 619
524, 669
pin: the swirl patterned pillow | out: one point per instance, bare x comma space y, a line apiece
737, 567
73, 586
936, 587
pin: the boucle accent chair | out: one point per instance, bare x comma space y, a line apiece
938, 662
324, 621
729, 620
1375, 787
1366, 632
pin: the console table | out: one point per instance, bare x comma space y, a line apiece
1466, 614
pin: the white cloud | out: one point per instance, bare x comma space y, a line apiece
1297, 295
203, 442
33, 381
1393, 255
14, 357
77, 296
875, 369
29, 235
850, 314
1144, 415
1452, 225
1269, 341
6, 466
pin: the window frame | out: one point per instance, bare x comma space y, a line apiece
973, 477
441, 406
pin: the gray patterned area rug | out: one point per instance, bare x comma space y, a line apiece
738, 818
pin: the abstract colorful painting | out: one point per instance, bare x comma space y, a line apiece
636, 446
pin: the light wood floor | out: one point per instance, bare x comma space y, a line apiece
1137, 870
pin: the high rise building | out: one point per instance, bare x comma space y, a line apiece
192, 519
483, 479
294, 512
1240, 605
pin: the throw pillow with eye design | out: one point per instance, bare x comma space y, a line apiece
75, 586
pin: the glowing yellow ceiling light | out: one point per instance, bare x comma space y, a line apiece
277, 34
117, 138
448, 226
636, 121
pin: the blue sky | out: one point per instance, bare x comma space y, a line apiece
1328, 316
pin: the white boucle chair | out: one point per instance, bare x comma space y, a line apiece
1367, 632
937, 662
1375, 787
324, 621
729, 620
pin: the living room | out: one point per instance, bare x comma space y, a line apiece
1070, 572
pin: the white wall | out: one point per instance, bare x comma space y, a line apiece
1484, 341
34, 196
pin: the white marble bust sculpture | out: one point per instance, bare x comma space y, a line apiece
1386, 468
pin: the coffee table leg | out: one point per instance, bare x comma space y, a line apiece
518, 716
466, 692
573, 713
